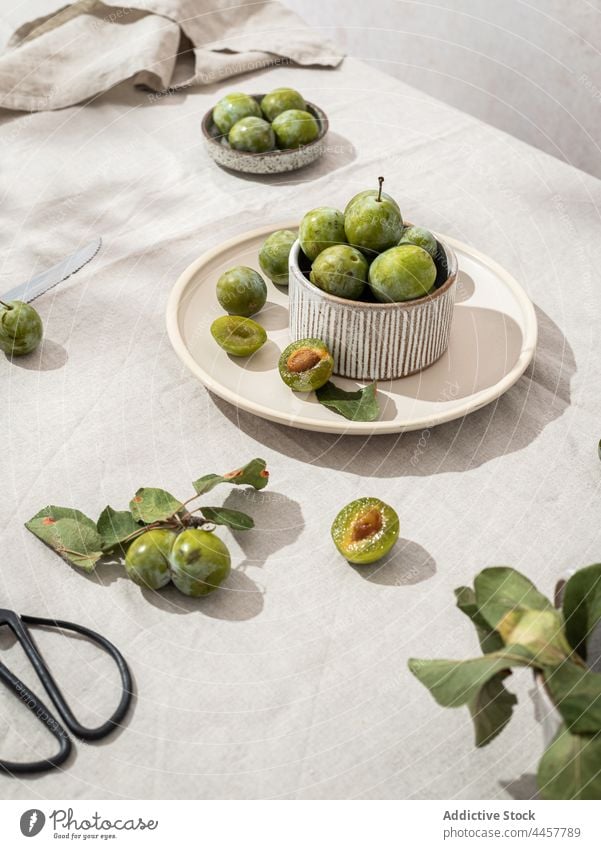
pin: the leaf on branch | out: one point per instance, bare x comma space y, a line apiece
114, 526
253, 474
576, 692
489, 639
153, 505
582, 606
70, 533
491, 709
571, 767
234, 519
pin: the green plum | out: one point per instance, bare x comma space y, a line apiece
306, 365
294, 128
199, 562
241, 291
340, 270
373, 223
20, 328
321, 228
402, 274
370, 193
237, 335
274, 254
232, 108
147, 558
421, 237
365, 530
253, 135
281, 100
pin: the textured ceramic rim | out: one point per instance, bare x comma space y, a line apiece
319, 114
345, 427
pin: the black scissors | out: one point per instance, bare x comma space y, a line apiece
18, 625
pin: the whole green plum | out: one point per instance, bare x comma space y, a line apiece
199, 562
281, 100
402, 274
274, 254
21, 328
320, 229
373, 222
237, 335
340, 270
421, 237
241, 291
254, 135
294, 128
370, 193
232, 108
147, 558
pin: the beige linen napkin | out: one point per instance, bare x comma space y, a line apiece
85, 48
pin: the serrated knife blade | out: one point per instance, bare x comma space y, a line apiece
41, 283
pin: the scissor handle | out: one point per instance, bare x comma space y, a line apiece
52, 687
42, 713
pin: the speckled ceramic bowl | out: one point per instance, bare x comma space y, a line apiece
272, 162
371, 340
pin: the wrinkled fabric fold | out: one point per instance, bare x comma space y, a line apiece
87, 47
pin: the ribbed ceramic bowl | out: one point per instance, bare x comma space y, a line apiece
374, 341
272, 162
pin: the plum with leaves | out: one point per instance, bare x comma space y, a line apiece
365, 530
147, 558
21, 328
199, 562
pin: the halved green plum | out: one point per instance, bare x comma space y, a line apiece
241, 291
21, 328
274, 255
321, 228
365, 530
280, 100
295, 128
232, 108
306, 365
403, 273
147, 558
237, 335
421, 237
340, 270
253, 135
199, 562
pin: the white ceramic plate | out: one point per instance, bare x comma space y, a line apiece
493, 338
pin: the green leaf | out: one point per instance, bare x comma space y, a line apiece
501, 590
115, 526
491, 709
571, 767
70, 533
153, 505
224, 516
490, 640
576, 693
582, 606
359, 406
457, 682
253, 474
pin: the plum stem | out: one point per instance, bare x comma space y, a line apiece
381, 182
4, 304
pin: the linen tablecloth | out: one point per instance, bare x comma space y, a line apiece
291, 682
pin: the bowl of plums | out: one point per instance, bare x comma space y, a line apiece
265, 133
376, 291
